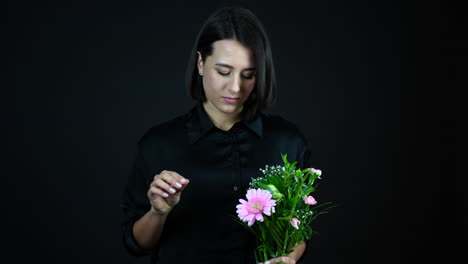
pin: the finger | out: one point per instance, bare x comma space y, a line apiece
165, 179
163, 185
172, 178
156, 191
184, 185
179, 180
174, 187
286, 260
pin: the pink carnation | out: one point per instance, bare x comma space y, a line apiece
318, 172
295, 223
258, 202
309, 200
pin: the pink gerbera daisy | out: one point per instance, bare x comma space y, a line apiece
258, 202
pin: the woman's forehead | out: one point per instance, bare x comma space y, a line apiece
233, 53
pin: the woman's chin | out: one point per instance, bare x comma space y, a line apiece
231, 109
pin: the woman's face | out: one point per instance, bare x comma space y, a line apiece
228, 77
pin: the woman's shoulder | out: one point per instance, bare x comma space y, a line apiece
277, 127
279, 123
165, 130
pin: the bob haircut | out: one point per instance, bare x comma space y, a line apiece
239, 24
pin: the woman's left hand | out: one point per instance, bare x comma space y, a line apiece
286, 260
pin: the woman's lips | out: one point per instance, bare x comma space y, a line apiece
231, 100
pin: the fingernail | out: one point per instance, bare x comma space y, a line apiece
183, 181
172, 190
165, 194
268, 262
178, 185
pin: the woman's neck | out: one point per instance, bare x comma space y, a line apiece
220, 120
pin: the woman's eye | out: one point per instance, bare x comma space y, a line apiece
245, 77
224, 73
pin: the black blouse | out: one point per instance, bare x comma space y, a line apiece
219, 165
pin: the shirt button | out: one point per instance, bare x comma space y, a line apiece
235, 188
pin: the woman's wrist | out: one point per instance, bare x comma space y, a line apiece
156, 213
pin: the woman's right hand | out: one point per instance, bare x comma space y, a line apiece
164, 192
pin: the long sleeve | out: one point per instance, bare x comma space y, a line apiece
135, 204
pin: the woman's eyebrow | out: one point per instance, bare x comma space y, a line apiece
230, 67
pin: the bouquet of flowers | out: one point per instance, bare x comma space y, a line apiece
279, 209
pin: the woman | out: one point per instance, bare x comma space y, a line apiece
190, 172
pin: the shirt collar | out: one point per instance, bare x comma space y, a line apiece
199, 124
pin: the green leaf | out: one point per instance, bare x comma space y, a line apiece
278, 183
278, 196
275, 233
299, 174
237, 219
320, 205
264, 186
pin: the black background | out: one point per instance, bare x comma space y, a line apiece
84, 80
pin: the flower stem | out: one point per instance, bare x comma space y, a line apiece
285, 242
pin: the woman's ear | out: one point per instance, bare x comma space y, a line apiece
200, 63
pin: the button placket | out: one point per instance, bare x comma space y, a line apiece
236, 165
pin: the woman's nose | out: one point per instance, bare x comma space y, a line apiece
234, 86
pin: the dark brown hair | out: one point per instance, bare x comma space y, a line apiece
242, 25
